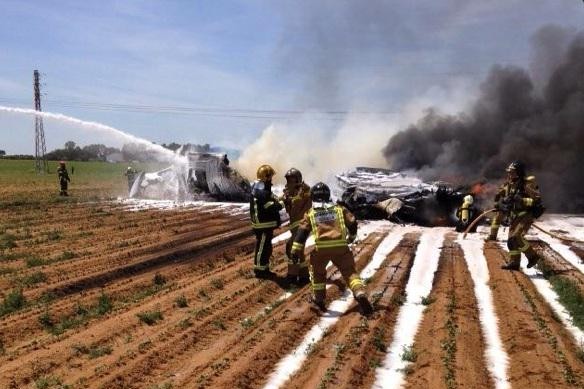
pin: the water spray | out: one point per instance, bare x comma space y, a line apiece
165, 154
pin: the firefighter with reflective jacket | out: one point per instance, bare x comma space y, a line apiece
333, 227
265, 217
518, 204
64, 179
131, 176
466, 214
297, 201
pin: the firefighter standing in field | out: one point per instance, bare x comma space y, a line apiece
131, 176
466, 214
265, 217
518, 203
297, 201
63, 178
333, 227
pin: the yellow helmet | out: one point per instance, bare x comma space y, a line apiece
265, 172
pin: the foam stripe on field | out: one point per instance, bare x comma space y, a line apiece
291, 363
391, 374
545, 289
497, 360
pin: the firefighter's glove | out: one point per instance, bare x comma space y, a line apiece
517, 201
505, 205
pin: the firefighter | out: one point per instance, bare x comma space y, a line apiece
265, 217
333, 227
466, 214
297, 201
131, 176
518, 204
63, 178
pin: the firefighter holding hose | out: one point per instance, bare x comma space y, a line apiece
518, 204
64, 179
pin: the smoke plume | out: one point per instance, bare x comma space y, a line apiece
536, 117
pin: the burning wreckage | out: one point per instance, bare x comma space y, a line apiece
372, 193
205, 176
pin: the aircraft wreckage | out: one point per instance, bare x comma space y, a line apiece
370, 193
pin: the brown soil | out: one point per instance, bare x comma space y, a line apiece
216, 326
449, 341
541, 351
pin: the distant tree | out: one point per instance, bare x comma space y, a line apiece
70, 145
2, 153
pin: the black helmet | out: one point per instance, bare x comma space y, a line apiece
518, 166
320, 192
294, 173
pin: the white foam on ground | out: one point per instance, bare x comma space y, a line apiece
141, 204
391, 374
560, 248
497, 359
544, 288
291, 363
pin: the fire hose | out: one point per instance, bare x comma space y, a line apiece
482, 215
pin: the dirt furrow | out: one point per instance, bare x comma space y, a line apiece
449, 344
350, 351
541, 351
243, 359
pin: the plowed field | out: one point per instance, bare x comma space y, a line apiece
110, 295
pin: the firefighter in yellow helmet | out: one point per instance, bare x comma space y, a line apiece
265, 217
297, 201
518, 204
333, 227
466, 214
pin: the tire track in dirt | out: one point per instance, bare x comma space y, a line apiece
449, 342
541, 351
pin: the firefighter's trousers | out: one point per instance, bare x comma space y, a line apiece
299, 267
516, 241
263, 248
343, 259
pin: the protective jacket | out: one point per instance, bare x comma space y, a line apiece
264, 207
297, 202
332, 226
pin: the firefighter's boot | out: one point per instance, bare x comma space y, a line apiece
364, 304
532, 256
514, 262
317, 304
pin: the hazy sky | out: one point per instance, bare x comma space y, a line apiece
220, 72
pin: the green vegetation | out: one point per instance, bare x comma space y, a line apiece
90, 181
32, 279
181, 301
12, 302
150, 317
92, 351
409, 354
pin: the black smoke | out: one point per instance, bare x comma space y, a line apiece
517, 115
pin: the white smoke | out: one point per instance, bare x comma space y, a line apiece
317, 152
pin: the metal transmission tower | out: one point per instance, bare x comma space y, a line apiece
41, 165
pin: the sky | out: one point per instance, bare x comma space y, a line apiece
222, 72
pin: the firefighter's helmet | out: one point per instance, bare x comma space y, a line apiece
265, 173
62, 163
518, 167
129, 169
294, 173
468, 199
320, 193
